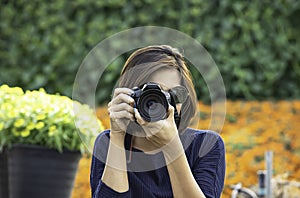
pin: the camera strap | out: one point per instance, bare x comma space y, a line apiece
176, 115
128, 147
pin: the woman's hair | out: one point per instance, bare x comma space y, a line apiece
141, 64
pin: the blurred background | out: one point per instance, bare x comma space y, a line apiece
255, 45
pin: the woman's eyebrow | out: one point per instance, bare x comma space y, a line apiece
166, 88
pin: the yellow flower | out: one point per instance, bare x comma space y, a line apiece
42, 90
39, 125
25, 133
11, 114
4, 87
19, 122
41, 117
30, 126
52, 130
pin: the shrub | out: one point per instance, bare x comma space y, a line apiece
38, 118
254, 43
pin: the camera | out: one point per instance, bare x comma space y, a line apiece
153, 103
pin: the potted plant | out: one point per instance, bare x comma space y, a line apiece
40, 145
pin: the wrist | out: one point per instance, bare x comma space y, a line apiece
173, 150
117, 138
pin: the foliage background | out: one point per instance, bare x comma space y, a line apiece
254, 43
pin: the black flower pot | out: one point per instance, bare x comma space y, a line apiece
3, 175
35, 172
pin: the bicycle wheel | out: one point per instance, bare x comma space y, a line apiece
246, 193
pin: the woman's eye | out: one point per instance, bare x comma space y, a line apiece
180, 92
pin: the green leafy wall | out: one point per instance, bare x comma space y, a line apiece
254, 43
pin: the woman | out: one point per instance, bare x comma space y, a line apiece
140, 157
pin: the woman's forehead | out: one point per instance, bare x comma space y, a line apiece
166, 78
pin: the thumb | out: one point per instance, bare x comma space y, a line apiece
170, 113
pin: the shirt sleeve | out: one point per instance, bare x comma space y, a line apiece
209, 167
98, 188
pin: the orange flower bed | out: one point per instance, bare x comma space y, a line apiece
250, 129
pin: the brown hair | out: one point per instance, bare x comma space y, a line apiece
145, 61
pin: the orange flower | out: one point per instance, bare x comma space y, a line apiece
250, 129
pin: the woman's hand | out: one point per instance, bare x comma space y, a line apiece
159, 133
120, 110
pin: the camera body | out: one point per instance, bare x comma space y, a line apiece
153, 103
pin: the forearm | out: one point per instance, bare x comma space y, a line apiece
181, 177
115, 171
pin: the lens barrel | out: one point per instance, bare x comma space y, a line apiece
153, 105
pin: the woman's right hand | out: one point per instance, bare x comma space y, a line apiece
120, 110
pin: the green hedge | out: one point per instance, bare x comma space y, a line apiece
254, 43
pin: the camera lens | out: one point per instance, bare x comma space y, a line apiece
153, 105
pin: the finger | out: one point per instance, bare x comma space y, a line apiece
139, 118
121, 98
121, 114
123, 90
121, 107
171, 113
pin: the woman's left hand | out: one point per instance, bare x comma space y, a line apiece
159, 133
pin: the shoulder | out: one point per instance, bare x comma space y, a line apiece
201, 136
101, 143
203, 141
206, 156
200, 132
102, 135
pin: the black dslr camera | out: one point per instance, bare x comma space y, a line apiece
153, 103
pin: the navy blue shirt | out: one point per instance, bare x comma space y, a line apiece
148, 175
